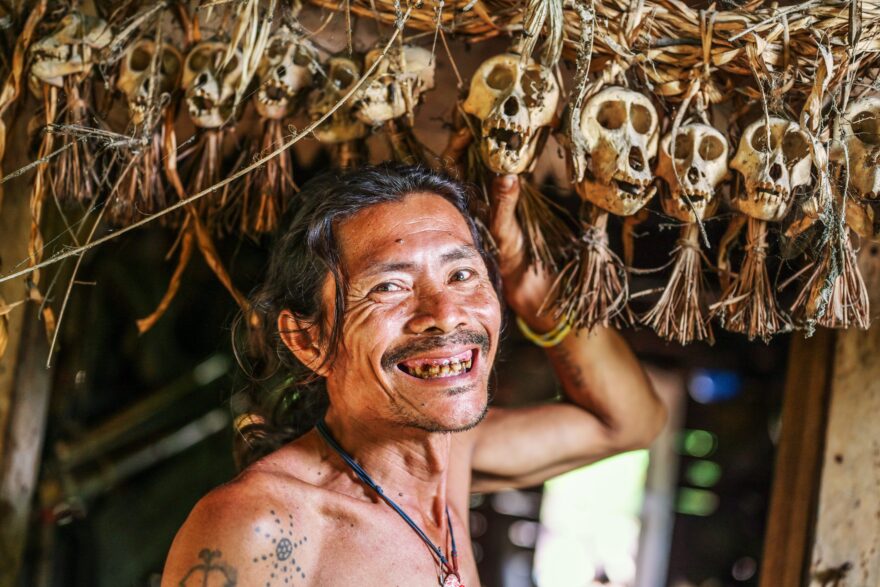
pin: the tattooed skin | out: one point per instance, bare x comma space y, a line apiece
275, 566
211, 571
280, 554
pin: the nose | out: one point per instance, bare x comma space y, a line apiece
437, 312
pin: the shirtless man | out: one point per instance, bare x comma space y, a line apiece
419, 290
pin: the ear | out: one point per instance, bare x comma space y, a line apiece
302, 339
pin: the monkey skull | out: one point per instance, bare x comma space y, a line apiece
71, 49
774, 160
145, 76
620, 132
210, 84
342, 126
513, 101
692, 166
287, 67
860, 146
396, 85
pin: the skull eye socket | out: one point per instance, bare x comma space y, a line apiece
534, 87
866, 127
140, 60
231, 66
275, 50
342, 78
301, 57
500, 78
199, 60
711, 148
641, 117
683, 144
794, 147
611, 115
759, 139
170, 63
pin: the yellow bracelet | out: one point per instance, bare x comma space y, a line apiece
548, 340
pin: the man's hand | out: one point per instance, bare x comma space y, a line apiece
525, 286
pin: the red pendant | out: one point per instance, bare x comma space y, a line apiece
452, 580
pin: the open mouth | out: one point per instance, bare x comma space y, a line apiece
440, 367
272, 93
505, 135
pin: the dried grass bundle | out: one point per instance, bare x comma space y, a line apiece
140, 189
748, 305
592, 287
203, 169
678, 314
74, 174
263, 195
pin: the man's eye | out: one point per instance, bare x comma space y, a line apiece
462, 275
387, 287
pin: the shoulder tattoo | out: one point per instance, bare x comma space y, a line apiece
275, 565
280, 551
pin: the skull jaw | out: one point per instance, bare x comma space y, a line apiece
341, 128
676, 205
612, 198
501, 159
274, 100
375, 108
208, 113
770, 204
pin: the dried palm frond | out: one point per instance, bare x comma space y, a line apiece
678, 314
593, 287
748, 306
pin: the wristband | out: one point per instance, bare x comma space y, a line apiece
548, 340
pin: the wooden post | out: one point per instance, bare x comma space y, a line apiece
24, 379
846, 552
798, 461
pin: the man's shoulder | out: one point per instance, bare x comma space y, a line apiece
262, 522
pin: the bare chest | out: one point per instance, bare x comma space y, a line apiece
386, 551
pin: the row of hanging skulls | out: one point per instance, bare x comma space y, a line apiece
510, 107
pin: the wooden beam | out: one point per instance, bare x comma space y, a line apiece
20, 464
846, 552
798, 461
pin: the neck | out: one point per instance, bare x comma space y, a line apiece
410, 465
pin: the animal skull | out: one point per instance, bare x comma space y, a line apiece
209, 84
287, 67
620, 132
860, 148
396, 85
135, 75
513, 101
693, 166
774, 161
70, 49
342, 126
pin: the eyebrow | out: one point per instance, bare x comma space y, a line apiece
456, 254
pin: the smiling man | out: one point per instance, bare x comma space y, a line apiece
382, 290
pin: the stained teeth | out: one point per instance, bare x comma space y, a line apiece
443, 368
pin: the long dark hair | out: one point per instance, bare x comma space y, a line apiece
286, 397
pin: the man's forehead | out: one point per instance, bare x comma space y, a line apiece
400, 228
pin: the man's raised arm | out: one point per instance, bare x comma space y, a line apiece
612, 406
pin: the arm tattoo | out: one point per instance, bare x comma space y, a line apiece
279, 556
569, 368
209, 571
276, 560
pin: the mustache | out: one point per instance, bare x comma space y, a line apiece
401, 353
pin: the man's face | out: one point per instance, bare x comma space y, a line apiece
422, 318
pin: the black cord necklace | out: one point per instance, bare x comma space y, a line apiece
451, 578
